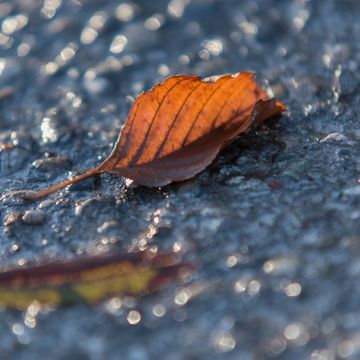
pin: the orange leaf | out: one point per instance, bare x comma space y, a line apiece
175, 130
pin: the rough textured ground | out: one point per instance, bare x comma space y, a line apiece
273, 223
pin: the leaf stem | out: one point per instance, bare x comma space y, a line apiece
53, 188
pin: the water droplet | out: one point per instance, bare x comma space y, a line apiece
159, 310
225, 343
213, 46
118, 44
182, 297
125, 12
134, 317
176, 7
293, 289
154, 22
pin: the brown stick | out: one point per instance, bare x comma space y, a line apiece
51, 189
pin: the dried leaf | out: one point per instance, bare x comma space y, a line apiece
176, 129
88, 279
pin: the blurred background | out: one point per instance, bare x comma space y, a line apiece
273, 224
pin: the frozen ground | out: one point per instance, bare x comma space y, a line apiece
273, 223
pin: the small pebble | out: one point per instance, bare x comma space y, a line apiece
52, 163
33, 217
334, 137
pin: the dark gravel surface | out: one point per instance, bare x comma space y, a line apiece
273, 223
